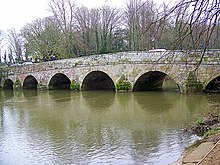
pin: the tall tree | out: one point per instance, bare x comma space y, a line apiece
197, 22
110, 21
63, 12
139, 18
120, 40
97, 27
15, 42
43, 39
1, 44
86, 27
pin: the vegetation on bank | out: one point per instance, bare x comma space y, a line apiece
207, 124
208, 127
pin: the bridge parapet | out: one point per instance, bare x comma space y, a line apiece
151, 57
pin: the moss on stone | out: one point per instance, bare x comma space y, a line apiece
123, 84
198, 59
184, 59
78, 63
207, 59
135, 72
192, 83
40, 86
123, 60
74, 86
17, 84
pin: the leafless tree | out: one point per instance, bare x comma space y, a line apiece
44, 39
197, 22
15, 46
110, 20
139, 19
84, 24
96, 26
1, 44
63, 11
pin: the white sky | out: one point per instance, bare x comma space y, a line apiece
16, 13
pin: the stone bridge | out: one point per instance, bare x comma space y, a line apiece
124, 71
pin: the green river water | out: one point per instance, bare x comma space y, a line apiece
97, 127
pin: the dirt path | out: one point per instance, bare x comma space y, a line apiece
212, 157
206, 155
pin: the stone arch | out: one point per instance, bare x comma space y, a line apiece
213, 85
8, 84
30, 82
98, 80
59, 81
151, 81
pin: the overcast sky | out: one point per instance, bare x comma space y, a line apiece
16, 13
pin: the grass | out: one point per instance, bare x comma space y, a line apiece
212, 132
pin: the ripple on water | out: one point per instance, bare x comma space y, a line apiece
126, 129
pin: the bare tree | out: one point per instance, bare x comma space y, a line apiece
44, 39
139, 19
110, 20
63, 11
84, 24
196, 21
96, 27
1, 44
15, 46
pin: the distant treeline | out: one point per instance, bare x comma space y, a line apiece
141, 25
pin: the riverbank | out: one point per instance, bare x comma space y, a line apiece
202, 152
207, 150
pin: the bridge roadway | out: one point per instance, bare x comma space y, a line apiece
131, 71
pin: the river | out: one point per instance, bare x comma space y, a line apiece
97, 127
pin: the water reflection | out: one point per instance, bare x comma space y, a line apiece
30, 93
64, 95
64, 127
156, 101
200, 100
6, 95
213, 98
98, 101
